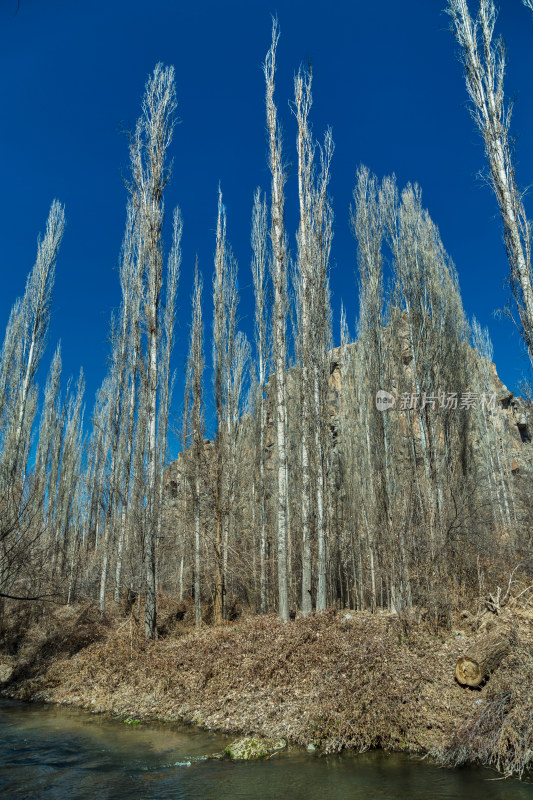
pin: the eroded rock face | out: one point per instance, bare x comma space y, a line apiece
510, 423
251, 748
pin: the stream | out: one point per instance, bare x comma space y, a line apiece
61, 753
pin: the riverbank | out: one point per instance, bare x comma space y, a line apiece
333, 681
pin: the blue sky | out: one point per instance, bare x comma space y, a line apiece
386, 78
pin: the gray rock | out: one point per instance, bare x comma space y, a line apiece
251, 748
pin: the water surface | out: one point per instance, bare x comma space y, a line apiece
51, 753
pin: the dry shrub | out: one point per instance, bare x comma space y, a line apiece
56, 632
499, 731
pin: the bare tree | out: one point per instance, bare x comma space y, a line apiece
259, 273
24, 346
131, 285
228, 375
220, 343
279, 280
195, 427
322, 232
305, 149
484, 64
375, 372
148, 149
314, 242
22, 351
165, 379
117, 423
71, 459
37, 307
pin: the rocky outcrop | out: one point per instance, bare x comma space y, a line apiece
510, 419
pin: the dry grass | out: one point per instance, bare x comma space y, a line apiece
362, 682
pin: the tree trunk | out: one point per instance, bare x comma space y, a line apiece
197, 564
151, 529
475, 666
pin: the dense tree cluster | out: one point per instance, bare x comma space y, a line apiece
311, 493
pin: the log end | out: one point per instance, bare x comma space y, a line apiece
468, 672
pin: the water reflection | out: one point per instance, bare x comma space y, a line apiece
49, 752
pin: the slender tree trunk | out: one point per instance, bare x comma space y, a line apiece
321, 600
151, 530
262, 567
280, 300
197, 562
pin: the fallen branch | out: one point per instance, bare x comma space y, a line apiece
17, 597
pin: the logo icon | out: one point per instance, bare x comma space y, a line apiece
384, 400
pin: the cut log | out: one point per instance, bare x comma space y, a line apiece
476, 665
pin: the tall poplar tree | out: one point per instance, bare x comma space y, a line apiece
279, 280
150, 174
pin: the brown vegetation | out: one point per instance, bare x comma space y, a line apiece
345, 680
